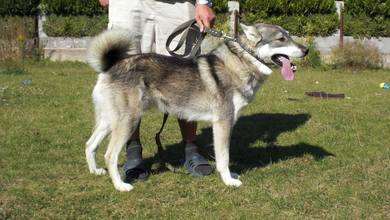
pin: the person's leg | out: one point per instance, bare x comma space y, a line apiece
134, 168
168, 17
166, 22
194, 161
188, 130
134, 147
126, 15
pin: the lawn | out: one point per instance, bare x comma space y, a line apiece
298, 157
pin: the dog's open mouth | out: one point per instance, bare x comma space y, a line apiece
284, 62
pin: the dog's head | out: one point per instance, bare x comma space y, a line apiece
273, 43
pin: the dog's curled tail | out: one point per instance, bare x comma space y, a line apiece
107, 48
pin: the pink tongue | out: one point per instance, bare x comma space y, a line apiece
287, 72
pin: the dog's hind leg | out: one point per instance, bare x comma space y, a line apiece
102, 128
122, 128
222, 131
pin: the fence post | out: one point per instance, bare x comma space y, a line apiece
234, 9
340, 10
36, 30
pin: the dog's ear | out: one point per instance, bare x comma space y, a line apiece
251, 33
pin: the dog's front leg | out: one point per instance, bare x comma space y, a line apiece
222, 132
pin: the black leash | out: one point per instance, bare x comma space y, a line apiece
219, 34
161, 150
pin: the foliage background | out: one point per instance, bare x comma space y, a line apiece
18, 8
363, 18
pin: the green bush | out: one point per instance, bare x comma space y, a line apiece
313, 58
367, 18
372, 8
16, 37
19, 7
74, 26
362, 25
311, 25
73, 7
301, 18
356, 55
59, 7
220, 6
288, 7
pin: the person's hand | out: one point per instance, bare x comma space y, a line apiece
104, 3
204, 15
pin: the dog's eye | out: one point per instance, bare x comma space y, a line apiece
282, 39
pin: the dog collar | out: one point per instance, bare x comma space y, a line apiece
251, 52
222, 35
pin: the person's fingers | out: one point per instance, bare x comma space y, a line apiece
204, 16
200, 24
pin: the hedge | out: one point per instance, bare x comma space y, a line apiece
363, 18
18, 8
288, 7
362, 25
300, 17
310, 25
58, 7
74, 26
73, 7
367, 18
371, 8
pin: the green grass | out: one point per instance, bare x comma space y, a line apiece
308, 159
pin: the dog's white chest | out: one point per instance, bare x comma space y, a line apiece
240, 102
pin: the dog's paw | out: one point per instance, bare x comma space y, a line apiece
124, 187
231, 179
99, 171
233, 182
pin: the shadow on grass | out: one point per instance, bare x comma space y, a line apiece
248, 131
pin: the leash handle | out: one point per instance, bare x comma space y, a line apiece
185, 28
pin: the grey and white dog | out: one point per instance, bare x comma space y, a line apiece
214, 87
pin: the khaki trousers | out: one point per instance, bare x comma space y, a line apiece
151, 22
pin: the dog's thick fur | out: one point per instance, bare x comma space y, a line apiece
213, 87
